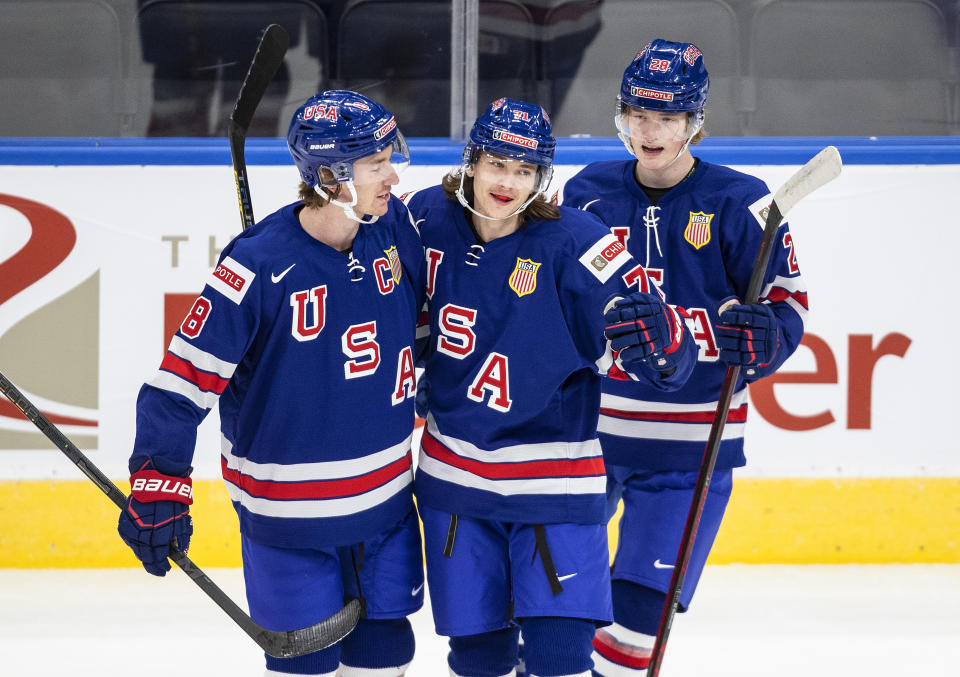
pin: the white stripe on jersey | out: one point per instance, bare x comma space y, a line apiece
660, 430
331, 507
665, 430
174, 384
320, 470
791, 284
201, 359
550, 485
517, 453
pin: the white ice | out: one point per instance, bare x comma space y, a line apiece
782, 621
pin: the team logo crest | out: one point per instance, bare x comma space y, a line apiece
523, 279
697, 231
396, 268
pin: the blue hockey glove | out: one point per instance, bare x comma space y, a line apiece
748, 336
644, 329
157, 513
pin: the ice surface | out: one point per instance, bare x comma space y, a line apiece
763, 621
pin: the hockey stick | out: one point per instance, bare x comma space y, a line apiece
266, 61
824, 167
280, 644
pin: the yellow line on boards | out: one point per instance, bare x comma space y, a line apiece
70, 524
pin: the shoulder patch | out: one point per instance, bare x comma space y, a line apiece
232, 279
605, 257
761, 208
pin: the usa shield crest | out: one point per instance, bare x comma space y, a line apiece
697, 231
396, 269
523, 279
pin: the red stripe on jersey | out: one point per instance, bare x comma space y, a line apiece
202, 379
584, 467
621, 654
779, 294
738, 415
318, 489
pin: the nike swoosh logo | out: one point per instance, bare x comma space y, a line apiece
563, 578
584, 207
276, 278
660, 565
416, 590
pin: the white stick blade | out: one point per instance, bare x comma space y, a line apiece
821, 169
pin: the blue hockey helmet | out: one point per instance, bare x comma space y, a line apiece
513, 129
334, 129
666, 76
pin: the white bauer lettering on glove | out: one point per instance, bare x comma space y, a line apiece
149, 485
156, 516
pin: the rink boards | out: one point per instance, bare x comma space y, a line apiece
851, 451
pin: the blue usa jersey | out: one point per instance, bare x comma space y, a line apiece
309, 353
699, 242
515, 361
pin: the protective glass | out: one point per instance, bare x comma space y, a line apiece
381, 166
653, 125
519, 175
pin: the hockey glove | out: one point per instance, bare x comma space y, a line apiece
157, 513
748, 336
644, 329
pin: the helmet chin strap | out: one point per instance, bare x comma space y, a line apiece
463, 200
347, 207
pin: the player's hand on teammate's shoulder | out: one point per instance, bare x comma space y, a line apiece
650, 336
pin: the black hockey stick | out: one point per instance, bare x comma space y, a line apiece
824, 167
280, 644
266, 61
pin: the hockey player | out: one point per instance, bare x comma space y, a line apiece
306, 326
510, 481
696, 227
